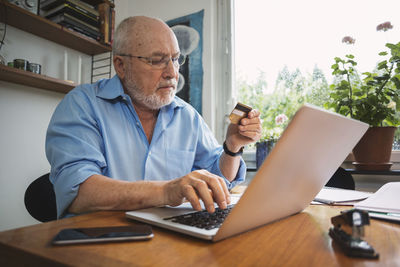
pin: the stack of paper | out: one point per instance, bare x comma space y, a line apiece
384, 203
337, 196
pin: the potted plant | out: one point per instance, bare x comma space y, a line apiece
372, 97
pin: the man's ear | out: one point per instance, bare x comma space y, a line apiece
119, 66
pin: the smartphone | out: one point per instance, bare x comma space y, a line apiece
103, 234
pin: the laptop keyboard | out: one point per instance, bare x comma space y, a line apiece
203, 219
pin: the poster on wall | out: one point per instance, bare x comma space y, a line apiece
189, 32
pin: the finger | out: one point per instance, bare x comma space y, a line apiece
253, 113
222, 185
225, 189
250, 128
251, 132
191, 196
218, 192
253, 136
247, 121
204, 194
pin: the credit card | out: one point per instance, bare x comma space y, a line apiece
239, 112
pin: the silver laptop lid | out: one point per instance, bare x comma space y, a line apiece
310, 150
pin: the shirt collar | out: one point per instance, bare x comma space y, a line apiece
110, 88
176, 103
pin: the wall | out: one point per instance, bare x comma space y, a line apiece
26, 111
24, 115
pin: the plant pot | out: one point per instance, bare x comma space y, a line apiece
374, 149
263, 148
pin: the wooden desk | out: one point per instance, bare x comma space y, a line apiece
300, 240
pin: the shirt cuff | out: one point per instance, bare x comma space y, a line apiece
240, 176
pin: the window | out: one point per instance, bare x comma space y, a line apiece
284, 49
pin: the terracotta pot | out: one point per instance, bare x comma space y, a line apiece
374, 149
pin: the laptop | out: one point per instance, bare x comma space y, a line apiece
312, 147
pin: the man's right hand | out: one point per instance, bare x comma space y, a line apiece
197, 185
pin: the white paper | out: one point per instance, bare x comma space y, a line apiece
330, 195
386, 199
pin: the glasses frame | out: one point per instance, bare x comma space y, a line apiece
163, 63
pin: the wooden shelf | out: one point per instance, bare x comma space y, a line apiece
29, 22
96, 2
35, 80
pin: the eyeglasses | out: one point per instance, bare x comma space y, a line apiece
159, 62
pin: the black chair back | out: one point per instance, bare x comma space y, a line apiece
40, 199
342, 179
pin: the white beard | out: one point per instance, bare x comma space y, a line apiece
152, 101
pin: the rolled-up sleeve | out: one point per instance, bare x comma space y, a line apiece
73, 148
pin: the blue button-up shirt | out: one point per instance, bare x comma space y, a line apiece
96, 130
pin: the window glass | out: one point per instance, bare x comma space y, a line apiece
284, 50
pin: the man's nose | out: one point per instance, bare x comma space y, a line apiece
170, 70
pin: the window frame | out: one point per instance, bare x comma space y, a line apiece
225, 92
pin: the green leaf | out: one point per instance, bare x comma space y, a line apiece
396, 81
338, 59
382, 65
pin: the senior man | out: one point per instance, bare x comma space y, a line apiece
128, 142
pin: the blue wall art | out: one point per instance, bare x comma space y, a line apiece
189, 32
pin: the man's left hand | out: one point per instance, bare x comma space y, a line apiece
248, 131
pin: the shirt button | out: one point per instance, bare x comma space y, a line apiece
149, 153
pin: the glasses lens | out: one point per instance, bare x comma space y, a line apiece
181, 60
158, 61
162, 62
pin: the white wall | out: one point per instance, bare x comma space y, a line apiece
24, 115
25, 111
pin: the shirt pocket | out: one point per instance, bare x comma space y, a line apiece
179, 162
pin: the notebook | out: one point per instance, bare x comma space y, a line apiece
384, 203
310, 150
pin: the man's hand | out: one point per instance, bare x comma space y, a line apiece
197, 185
248, 131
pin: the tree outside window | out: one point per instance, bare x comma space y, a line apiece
285, 50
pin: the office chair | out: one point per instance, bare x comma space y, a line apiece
341, 179
40, 199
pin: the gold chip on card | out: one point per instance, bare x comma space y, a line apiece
239, 112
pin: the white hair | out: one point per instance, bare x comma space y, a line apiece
122, 35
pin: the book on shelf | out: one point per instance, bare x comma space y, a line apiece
74, 23
97, 22
71, 10
104, 14
46, 5
112, 25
